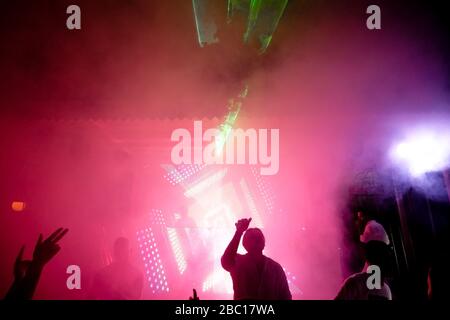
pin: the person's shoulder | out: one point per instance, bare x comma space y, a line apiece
356, 277
387, 290
274, 263
240, 256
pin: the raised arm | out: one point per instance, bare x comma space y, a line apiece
20, 268
229, 255
26, 282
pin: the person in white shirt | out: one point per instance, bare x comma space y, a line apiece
355, 287
371, 231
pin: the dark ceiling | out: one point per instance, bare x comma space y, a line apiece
141, 59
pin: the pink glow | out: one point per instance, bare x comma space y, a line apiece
339, 96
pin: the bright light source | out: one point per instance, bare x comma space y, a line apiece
18, 206
423, 152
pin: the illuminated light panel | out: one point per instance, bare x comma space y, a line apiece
154, 269
218, 281
205, 183
251, 204
178, 174
157, 217
176, 249
265, 191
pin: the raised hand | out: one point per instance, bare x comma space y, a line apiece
27, 273
20, 266
45, 250
242, 225
194, 297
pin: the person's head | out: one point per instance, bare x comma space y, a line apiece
254, 241
121, 250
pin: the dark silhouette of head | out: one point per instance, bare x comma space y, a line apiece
254, 241
121, 250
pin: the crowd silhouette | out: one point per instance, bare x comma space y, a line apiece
254, 275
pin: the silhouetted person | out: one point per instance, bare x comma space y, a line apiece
28, 272
255, 276
370, 230
355, 287
119, 280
